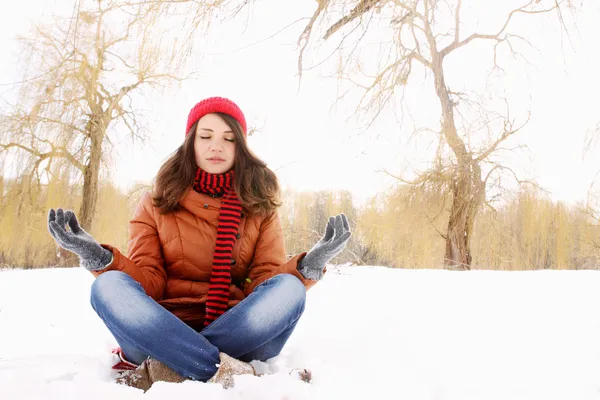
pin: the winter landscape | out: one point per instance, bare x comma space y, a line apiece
460, 137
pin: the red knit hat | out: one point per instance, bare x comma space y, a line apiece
213, 105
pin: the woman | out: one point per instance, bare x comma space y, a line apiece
206, 286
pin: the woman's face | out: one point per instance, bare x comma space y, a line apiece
214, 145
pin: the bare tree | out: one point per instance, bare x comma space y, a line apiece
85, 74
421, 38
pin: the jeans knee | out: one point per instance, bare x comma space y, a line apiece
293, 289
105, 286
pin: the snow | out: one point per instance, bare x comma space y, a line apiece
367, 332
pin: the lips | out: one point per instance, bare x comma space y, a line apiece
216, 159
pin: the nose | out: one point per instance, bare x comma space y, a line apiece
216, 146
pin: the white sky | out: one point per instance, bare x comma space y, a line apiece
313, 148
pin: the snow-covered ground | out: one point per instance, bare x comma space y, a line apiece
368, 332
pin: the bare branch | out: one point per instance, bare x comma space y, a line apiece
56, 152
305, 36
430, 220
120, 59
515, 176
488, 205
457, 21
508, 132
418, 181
362, 8
485, 180
456, 44
67, 125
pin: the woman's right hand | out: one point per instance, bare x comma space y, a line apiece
93, 256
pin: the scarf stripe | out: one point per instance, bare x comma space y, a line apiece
217, 299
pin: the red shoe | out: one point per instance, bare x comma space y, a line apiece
123, 364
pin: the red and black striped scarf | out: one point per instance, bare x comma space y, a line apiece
229, 222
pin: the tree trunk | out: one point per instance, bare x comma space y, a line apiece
90, 181
467, 196
467, 187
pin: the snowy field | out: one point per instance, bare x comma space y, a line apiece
367, 333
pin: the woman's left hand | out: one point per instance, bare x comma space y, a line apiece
337, 234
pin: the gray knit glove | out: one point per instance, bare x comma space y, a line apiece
331, 244
93, 257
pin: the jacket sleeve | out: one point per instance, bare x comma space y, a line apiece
270, 258
145, 263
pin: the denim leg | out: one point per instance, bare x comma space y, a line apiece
259, 326
269, 349
131, 353
143, 327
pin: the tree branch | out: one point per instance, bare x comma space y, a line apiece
56, 152
457, 22
305, 35
508, 132
497, 166
456, 44
362, 8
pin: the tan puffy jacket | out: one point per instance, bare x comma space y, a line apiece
171, 255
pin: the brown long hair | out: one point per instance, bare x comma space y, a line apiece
256, 186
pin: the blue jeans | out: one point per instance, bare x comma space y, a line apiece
254, 329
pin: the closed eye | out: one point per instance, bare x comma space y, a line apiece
208, 137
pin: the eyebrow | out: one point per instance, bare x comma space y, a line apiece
210, 130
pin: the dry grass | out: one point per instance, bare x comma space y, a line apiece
399, 229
